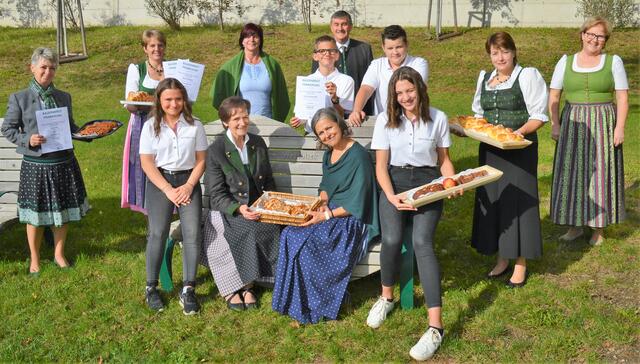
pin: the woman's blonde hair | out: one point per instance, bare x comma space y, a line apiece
149, 34
592, 22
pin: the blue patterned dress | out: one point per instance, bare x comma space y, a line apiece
315, 262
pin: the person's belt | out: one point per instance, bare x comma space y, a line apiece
408, 166
173, 173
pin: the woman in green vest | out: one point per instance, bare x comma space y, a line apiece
143, 76
506, 217
588, 174
253, 75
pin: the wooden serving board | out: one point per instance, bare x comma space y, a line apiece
493, 175
137, 103
486, 139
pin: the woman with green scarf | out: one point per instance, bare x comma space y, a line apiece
51, 190
255, 76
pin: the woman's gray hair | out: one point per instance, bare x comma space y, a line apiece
44, 53
331, 114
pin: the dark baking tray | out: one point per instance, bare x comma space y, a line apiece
77, 136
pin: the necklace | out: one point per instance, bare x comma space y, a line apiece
497, 78
158, 69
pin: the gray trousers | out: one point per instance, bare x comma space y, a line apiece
424, 222
160, 211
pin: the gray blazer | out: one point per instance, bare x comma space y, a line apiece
20, 120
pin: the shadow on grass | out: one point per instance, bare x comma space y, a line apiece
106, 228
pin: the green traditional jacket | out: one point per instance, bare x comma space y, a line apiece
228, 79
589, 87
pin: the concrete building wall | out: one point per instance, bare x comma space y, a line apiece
501, 13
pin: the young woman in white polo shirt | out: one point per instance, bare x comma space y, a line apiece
172, 152
412, 142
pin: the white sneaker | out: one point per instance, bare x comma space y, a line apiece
427, 345
379, 312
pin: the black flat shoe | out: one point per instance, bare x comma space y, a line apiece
249, 305
494, 276
61, 267
235, 306
520, 284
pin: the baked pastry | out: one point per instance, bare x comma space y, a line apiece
432, 187
98, 128
139, 96
479, 173
465, 178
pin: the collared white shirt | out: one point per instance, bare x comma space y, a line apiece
411, 143
345, 45
617, 69
133, 79
174, 151
244, 156
379, 73
344, 91
534, 91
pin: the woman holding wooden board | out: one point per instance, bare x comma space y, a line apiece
412, 143
506, 218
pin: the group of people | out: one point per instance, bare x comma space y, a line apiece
166, 153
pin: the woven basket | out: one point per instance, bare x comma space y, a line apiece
281, 218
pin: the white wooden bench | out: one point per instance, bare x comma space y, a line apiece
297, 168
10, 162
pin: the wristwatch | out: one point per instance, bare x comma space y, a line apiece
335, 101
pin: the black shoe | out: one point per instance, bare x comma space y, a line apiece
249, 305
189, 302
518, 285
235, 306
494, 276
153, 300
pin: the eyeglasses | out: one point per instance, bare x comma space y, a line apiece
324, 52
597, 37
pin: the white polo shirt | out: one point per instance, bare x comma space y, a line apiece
379, 73
174, 151
344, 91
411, 143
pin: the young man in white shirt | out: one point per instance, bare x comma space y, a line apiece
339, 87
395, 46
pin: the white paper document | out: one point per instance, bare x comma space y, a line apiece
188, 73
310, 96
53, 124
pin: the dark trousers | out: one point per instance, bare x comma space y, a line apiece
160, 211
424, 222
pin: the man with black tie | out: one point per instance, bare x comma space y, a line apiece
355, 56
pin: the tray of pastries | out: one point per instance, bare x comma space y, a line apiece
497, 135
97, 129
140, 98
285, 208
443, 187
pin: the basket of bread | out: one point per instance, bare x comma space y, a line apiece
97, 129
444, 187
480, 129
285, 208
138, 98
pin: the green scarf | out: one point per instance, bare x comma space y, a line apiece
45, 94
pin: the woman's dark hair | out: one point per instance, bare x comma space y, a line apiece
393, 32
331, 114
225, 111
502, 40
394, 110
250, 29
158, 114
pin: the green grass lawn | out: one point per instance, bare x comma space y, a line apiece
581, 304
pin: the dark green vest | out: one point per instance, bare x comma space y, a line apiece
506, 107
142, 69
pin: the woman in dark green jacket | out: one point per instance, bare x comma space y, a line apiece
253, 75
239, 250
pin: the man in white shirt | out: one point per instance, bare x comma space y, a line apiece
338, 86
355, 56
376, 79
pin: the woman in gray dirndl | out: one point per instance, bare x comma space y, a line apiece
588, 169
51, 190
506, 218
238, 249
